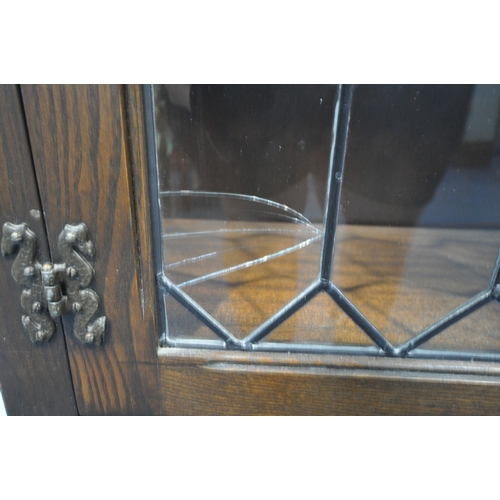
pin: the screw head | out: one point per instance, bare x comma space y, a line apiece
40, 335
89, 338
28, 271
72, 272
47, 267
70, 237
77, 307
37, 307
16, 237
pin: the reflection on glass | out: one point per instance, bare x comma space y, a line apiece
421, 206
243, 173
243, 184
331, 326
476, 332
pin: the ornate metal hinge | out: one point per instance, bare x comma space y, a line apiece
52, 290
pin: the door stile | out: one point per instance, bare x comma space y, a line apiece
85, 158
35, 379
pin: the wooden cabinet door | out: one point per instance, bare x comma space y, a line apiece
34, 379
89, 149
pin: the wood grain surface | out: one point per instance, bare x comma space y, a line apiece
86, 164
203, 382
34, 379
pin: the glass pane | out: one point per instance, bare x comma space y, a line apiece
420, 205
320, 321
476, 332
244, 173
184, 325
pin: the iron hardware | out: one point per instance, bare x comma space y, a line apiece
51, 290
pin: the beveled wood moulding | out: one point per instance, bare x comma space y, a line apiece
203, 382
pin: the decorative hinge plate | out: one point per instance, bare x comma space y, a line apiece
51, 290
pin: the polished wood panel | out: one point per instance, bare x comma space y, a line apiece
35, 379
202, 382
84, 159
